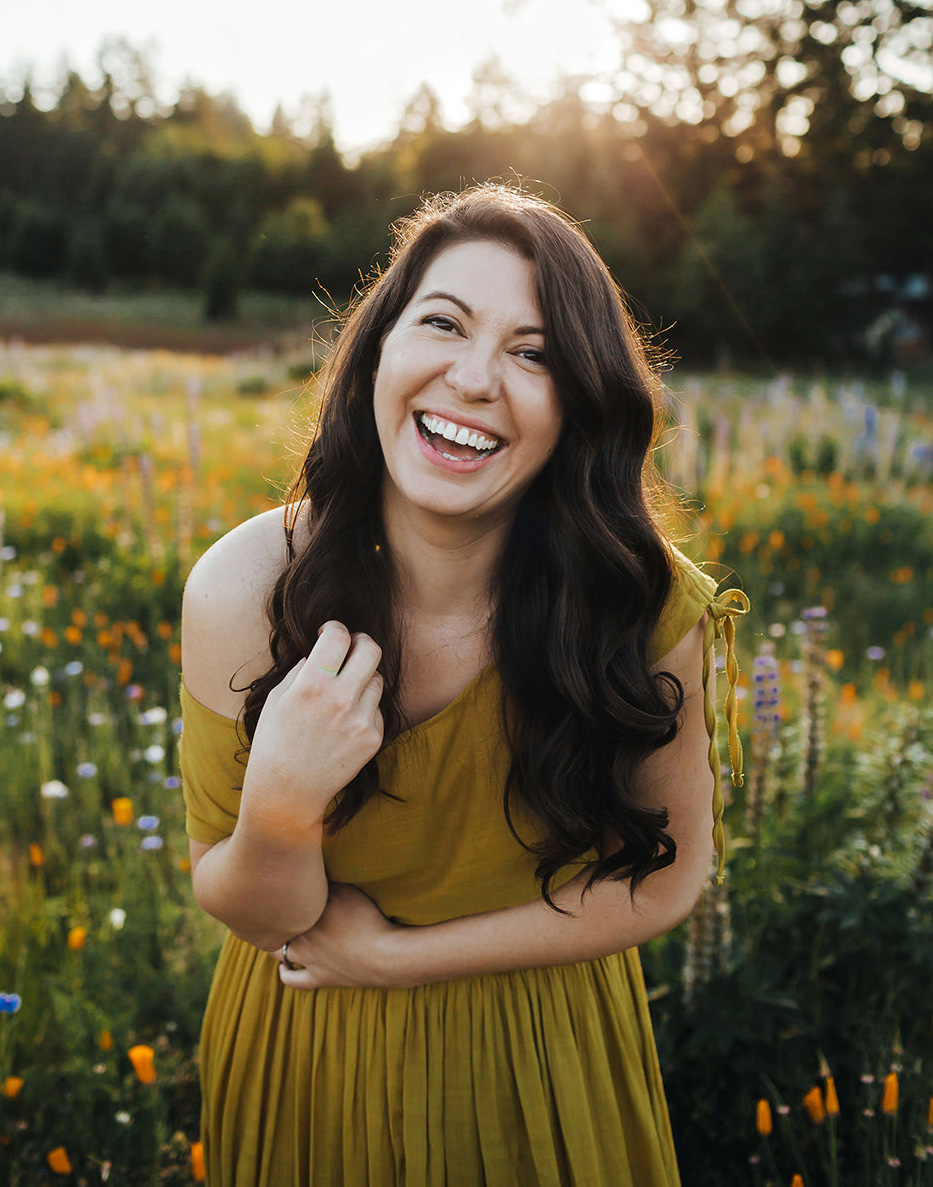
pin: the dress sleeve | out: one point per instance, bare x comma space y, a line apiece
695, 594
212, 757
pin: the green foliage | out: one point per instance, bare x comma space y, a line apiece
16, 395
870, 565
222, 282
759, 243
831, 952
255, 385
88, 266
178, 240
127, 228
290, 247
37, 240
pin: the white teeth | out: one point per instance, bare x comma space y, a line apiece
458, 433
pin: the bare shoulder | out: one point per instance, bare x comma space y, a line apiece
225, 630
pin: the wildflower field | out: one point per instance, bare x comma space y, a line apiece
792, 1010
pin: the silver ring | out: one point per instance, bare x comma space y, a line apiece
288, 964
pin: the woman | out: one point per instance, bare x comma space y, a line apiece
469, 671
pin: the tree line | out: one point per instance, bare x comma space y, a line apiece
768, 196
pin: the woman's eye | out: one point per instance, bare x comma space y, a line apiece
533, 355
438, 320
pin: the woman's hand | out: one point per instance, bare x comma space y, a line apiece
317, 730
349, 945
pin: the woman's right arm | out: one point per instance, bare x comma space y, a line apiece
317, 729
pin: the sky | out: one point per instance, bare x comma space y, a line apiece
371, 55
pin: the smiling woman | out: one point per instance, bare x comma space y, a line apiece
474, 683
462, 388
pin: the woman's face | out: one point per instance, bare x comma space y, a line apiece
466, 410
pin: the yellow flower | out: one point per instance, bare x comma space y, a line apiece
76, 938
889, 1100
813, 1103
141, 1057
122, 808
832, 1100
197, 1161
834, 659
13, 1086
106, 1040
58, 1160
763, 1118
36, 856
797, 1181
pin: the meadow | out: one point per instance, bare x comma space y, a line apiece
792, 1010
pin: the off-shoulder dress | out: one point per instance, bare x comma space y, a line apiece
543, 1077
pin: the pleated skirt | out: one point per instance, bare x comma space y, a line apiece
534, 1078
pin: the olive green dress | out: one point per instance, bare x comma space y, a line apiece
543, 1076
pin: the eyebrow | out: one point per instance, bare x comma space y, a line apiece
438, 294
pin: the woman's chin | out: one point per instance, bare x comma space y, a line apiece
437, 498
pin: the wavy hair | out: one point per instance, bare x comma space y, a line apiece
581, 582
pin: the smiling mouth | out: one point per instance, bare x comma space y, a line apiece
455, 442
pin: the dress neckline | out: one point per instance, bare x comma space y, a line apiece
429, 722
422, 726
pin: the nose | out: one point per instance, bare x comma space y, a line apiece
474, 372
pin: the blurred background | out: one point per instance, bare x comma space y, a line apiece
190, 194
757, 173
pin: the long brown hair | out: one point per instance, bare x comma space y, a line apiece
582, 580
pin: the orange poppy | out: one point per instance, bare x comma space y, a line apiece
141, 1057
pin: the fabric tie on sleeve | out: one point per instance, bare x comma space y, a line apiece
720, 624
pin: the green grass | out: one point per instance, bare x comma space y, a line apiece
49, 311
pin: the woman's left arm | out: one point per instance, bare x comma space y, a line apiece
353, 944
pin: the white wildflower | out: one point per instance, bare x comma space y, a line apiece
54, 789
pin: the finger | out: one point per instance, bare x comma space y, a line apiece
286, 957
362, 661
297, 978
291, 675
330, 651
372, 694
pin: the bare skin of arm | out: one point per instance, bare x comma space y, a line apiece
318, 728
353, 944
